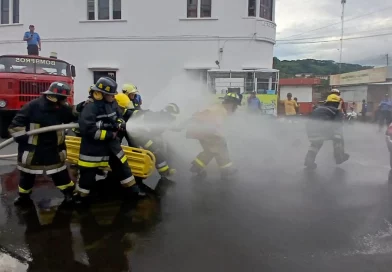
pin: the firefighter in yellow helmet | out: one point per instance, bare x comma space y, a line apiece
132, 92
325, 124
151, 126
204, 126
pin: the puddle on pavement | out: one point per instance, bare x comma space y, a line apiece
50, 237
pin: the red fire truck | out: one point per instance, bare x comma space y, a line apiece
24, 78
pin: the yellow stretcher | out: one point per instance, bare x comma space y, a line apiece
142, 162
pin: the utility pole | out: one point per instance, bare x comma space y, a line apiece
387, 55
341, 37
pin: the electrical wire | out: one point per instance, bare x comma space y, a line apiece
336, 40
347, 34
338, 23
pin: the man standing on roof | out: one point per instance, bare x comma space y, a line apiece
33, 41
132, 92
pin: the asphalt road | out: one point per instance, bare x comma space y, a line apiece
274, 217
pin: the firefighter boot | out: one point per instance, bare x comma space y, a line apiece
168, 173
68, 195
81, 202
24, 201
341, 157
134, 193
390, 177
200, 173
310, 160
229, 172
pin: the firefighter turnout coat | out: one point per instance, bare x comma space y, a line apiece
325, 124
98, 140
45, 152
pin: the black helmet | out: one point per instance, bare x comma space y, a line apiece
105, 85
58, 89
232, 98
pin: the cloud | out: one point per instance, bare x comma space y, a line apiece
315, 21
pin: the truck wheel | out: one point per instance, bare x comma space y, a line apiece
4, 124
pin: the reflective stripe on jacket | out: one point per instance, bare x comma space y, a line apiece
98, 142
45, 151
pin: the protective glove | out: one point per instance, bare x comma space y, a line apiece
21, 139
121, 126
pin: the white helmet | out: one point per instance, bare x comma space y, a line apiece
335, 91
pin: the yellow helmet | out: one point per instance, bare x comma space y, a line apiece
123, 100
333, 98
129, 89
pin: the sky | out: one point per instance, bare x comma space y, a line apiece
319, 20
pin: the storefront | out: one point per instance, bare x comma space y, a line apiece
370, 85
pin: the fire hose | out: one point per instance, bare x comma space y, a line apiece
34, 132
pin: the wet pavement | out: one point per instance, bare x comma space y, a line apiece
274, 217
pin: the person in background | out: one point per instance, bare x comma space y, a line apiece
254, 104
297, 107
290, 106
33, 41
364, 110
132, 92
385, 109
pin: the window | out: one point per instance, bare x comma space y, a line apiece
199, 8
91, 9
205, 8
262, 7
103, 10
252, 8
266, 9
192, 9
15, 11
9, 12
5, 12
99, 74
116, 9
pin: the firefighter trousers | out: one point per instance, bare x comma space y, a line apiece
119, 168
213, 147
156, 147
60, 179
315, 146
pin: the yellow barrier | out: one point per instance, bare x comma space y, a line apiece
142, 162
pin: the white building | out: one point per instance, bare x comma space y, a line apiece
148, 45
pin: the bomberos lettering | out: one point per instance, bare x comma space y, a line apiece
36, 61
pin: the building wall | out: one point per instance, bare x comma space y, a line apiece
303, 93
151, 45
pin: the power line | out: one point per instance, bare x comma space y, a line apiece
338, 40
338, 23
323, 37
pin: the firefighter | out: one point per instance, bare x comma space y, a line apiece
204, 127
148, 135
45, 152
325, 124
99, 123
80, 107
132, 92
343, 104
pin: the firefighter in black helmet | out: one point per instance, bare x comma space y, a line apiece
99, 123
45, 152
